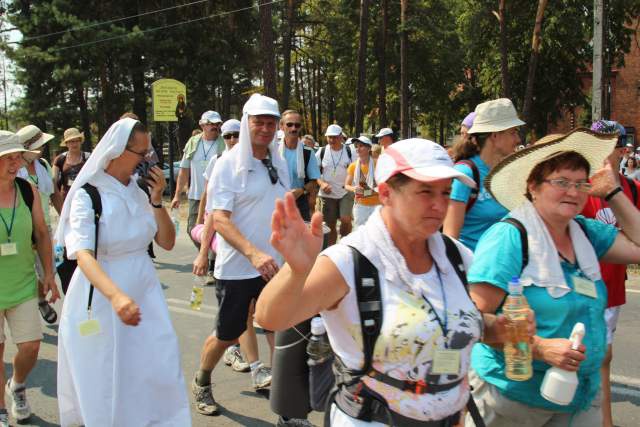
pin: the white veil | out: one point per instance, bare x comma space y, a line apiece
111, 145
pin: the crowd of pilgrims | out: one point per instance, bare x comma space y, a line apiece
403, 249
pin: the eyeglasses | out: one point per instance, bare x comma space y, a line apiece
145, 154
231, 135
565, 184
273, 172
294, 125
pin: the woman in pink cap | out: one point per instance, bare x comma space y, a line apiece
392, 295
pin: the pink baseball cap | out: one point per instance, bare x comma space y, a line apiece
420, 159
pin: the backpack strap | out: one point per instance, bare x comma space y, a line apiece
322, 151
96, 202
476, 178
454, 257
349, 154
307, 156
523, 239
26, 191
367, 286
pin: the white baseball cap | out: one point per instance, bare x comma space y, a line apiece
231, 125
210, 117
362, 139
333, 130
384, 132
260, 105
420, 159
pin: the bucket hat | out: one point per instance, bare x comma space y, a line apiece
495, 116
69, 134
32, 138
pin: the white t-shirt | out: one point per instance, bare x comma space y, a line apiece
251, 213
409, 332
197, 165
334, 170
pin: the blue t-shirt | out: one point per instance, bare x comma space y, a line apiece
484, 213
497, 259
313, 171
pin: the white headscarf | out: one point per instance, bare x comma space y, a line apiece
371, 183
45, 182
111, 145
241, 156
299, 157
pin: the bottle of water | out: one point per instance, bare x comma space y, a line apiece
175, 218
58, 252
318, 348
517, 349
197, 292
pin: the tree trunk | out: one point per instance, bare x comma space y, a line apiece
139, 93
533, 62
84, 116
286, 54
504, 58
311, 98
267, 48
382, 65
318, 86
404, 82
362, 66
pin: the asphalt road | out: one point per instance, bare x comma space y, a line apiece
241, 405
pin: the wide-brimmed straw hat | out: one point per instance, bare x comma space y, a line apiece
69, 134
9, 143
507, 181
32, 138
495, 116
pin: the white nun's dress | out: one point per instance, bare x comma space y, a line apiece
123, 376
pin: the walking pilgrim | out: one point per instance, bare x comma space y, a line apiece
118, 355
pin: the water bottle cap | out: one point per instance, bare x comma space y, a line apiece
515, 287
317, 326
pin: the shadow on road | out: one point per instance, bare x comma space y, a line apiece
35, 420
625, 393
184, 268
244, 420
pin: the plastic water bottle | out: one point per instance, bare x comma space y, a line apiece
559, 386
175, 218
197, 292
58, 252
318, 348
517, 350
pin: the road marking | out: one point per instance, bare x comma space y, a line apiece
635, 291
623, 391
185, 302
624, 380
191, 312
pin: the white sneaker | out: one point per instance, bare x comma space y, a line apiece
261, 377
210, 279
20, 409
230, 355
239, 364
4, 419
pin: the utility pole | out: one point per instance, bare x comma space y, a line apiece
598, 60
404, 82
3, 10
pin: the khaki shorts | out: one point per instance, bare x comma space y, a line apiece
23, 321
332, 209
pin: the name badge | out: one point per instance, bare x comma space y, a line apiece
89, 327
70, 182
584, 287
368, 193
204, 164
7, 249
446, 362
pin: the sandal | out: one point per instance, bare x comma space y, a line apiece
48, 313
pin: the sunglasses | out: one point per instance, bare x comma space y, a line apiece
273, 173
231, 135
294, 125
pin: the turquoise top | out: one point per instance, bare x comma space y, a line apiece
484, 213
313, 171
497, 259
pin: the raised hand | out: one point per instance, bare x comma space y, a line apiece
604, 181
298, 243
157, 184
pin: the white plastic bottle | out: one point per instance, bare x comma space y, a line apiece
559, 386
175, 218
197, 292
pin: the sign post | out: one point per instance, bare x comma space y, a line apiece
169, 99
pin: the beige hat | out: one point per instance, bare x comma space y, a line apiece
32, 138
507, 181
9, 143
494, 116
69, 134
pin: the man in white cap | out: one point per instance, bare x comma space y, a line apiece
336, 202
197, 153
385, 137
245, 185
302, 164
38, 172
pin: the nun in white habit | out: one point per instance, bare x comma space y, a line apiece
119, 364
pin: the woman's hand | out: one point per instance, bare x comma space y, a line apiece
49, 284
557, 352
298, 243
126, 309
502, 332
200, 265
604, 181
157, 184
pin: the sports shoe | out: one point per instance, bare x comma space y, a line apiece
261, 377
230, 354
47, 312
4, 418
295, 422
205, 403
239, 364
210, 279
20, 409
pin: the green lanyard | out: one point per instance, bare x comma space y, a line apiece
35, 181
9, 227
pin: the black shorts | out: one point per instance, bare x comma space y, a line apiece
234, 300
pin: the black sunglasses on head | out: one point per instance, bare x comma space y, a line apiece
231, 135
273, 173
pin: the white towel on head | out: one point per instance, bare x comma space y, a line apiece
371, 183
544, 267
299, 157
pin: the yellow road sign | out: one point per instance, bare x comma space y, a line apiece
165, 95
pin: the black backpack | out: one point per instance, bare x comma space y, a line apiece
473, 197
26, 191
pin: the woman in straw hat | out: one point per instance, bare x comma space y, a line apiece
38, 172
545, 187
493, 135
21, 225
414, 373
